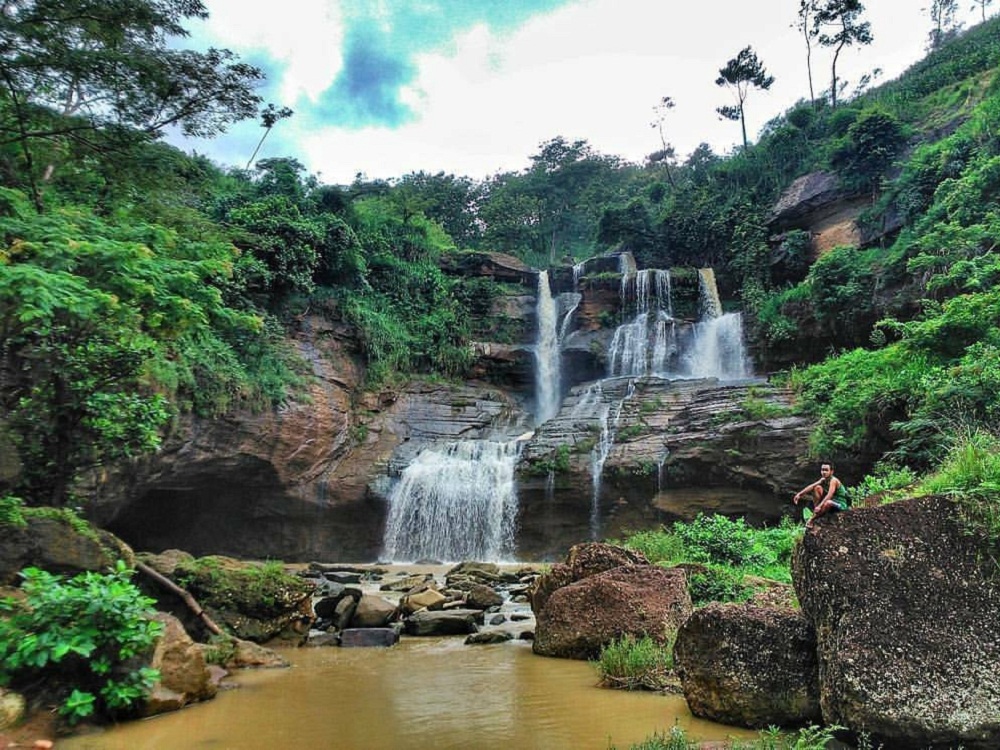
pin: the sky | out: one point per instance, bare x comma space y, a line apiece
384, 88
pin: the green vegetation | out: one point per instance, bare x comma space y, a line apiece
247, 587
79, 638
557, 461
970, 472
722, 553
809, 738
632, 663
12, 512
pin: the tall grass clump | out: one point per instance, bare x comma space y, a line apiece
970, 472
632, 663
808, 738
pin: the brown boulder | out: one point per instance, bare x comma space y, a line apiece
582, 561
55, 541
373, 612
905, 603
184, 676
749, 666
640, 600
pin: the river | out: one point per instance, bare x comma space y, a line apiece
424, 694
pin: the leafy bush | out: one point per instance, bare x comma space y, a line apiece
718, 539
12, 511
884, 483
718, 584
636, 663
78, 637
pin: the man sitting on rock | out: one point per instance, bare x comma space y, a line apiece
828, 492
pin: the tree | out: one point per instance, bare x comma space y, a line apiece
268, 119
807, 9
70, 68
742, 72
872, 143
667, 155
981, 4
944, 25
837, 24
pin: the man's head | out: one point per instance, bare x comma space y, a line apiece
826, 469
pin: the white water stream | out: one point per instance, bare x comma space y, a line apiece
456, 502
548, 380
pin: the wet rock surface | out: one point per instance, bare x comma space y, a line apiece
54, 543
904, 602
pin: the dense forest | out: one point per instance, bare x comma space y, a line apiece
138, 282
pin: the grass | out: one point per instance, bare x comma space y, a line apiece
632, 663
970, 472
809, 738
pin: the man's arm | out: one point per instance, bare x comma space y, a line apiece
804, 490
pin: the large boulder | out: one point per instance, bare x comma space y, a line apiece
749, 666
58, 542
579, 619
582, 561
905, 602
184, 675
252, 601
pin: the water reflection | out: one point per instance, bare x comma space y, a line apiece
423, 693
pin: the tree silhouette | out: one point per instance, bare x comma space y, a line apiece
742, 72
837, 24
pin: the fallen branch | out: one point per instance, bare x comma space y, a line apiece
185, 595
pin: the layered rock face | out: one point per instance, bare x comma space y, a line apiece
674, 448
905, 604
312, 480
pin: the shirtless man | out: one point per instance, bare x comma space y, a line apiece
828, 494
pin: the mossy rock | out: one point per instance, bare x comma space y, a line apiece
255, 601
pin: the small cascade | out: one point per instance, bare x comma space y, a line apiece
653, 342
547, 357
455, 502
646, 343
608, 412
716, 350
710, 304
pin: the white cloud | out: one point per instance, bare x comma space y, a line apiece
306, 35
593, 71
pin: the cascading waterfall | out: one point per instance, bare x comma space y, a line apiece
548, 384
652, 342
456, 502
716, 349
646, 343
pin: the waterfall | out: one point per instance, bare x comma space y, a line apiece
456, 502
645, 343
547, 378
711, 305
653, 342
610, 417
716, 350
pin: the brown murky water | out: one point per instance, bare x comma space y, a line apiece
424, 694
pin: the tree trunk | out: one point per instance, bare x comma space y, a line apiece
184, 594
